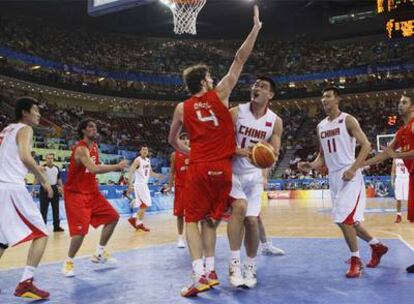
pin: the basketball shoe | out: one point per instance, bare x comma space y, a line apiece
103, 258
68, 269
213, 279
410, 269
355, 269
268, 249
180, 242
133, 222
27, 289
142, 227
378, 250
398, 219
235, 274
200, 284
249, 275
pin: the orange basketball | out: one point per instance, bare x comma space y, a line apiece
263, 155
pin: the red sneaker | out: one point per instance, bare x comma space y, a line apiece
398, 219
213, 279
199, 285
355, 270
378, 250
26, 289
143, 228
133, 222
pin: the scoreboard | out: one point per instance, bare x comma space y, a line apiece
399, 17
102, 7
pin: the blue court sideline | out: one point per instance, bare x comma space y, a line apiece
311, 272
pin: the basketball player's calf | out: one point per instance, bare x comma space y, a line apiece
251, 242
235, 232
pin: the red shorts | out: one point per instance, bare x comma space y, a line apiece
83, 210
410, 203
207, 195
179, 201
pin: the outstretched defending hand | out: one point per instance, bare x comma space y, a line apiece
256, 18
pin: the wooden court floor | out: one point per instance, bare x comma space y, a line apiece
282, 218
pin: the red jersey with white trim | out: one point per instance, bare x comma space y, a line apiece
404, 140
210, 127
181, 166
80, 180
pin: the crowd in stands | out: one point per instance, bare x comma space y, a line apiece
119, 52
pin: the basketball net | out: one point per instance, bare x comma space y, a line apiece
185, 14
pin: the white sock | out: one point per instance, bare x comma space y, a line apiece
265, 244
28, 273
355, 254
209, 264
235, 256
198, 267
135, 216
139, 222
399, 213
100, 250
181, 237
250, 261
374, 241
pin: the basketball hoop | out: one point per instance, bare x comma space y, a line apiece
185, 14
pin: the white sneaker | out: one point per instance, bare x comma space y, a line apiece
249, 274
103, 259
269, 249
68, 269
235, 274
181, 243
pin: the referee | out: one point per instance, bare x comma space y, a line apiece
53, 175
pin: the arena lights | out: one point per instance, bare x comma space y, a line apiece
35, 67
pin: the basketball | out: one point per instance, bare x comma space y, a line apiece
263, 155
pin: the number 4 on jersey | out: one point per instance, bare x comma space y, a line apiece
212, 117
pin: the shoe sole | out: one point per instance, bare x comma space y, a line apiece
31, 295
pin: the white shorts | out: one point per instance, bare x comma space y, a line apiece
250, 188
348, 198
401, 188
142, 195
20, 219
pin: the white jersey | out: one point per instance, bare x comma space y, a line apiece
142, 173
12, 169
337, 144
400, 169
250, 131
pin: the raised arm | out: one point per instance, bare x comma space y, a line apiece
176, 124
226, 85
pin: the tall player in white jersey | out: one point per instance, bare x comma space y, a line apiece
138, 176
400, 179
338, 135
20, 219
254, 122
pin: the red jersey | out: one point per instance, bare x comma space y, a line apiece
404, 139
210, 128
181, 166
80, 180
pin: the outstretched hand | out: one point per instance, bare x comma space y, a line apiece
256, 18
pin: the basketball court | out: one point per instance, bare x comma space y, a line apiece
151, 269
